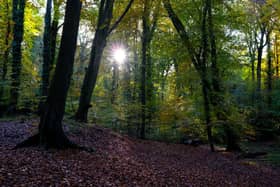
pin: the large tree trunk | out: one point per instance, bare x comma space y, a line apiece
50, 128
51, 134
46, 56
18, 19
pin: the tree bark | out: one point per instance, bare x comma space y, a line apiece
18, 19
50, 128
51, 134
46, 57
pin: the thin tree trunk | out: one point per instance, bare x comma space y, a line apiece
206, 88
115, 78
259, 65
149, 26
276, 56
207, 113
99, 43
143, 88
269, 70
6, 51
252, 61
54, 31
89, 82
217, 95
195, 58
18, 19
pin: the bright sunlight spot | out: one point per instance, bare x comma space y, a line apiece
119, 55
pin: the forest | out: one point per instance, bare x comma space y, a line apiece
140, 93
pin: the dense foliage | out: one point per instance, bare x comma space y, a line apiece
220, 72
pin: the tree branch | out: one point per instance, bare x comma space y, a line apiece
182, 32
115, 25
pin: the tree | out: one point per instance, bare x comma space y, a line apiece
18, 19
5, 58
199, 63
51, 133
103, 30
149, 27
46, 55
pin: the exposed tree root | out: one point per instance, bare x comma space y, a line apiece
29, 142
64, 143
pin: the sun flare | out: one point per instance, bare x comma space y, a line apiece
119, 55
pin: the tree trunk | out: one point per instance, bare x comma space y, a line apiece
54, 31
207, 112
206, 88
259, 65
269, 70
217, 95
143, 87
115, 78
149, 26
46, 57
6, 52
144, 65
99, 43
200, 65
18, 19
50, 128
51, 134
276, 56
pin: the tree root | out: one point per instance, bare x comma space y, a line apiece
34, 141
29, 142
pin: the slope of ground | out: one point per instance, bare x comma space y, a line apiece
121, 161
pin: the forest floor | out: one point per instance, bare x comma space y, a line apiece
121, 161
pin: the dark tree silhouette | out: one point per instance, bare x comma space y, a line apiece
46, 56
18, 19
51, 133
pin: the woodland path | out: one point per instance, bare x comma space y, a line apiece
121, 161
